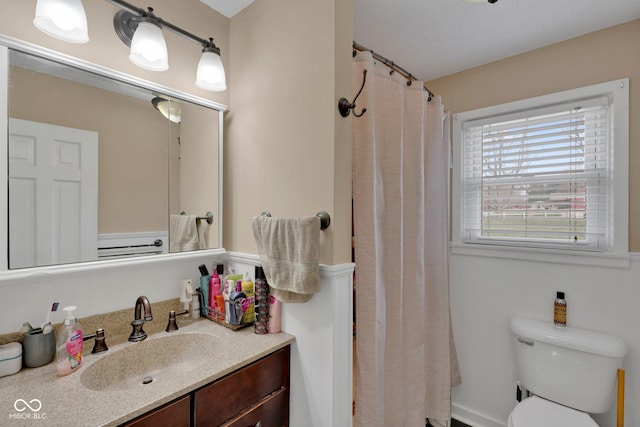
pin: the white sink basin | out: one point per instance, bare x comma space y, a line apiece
153, 361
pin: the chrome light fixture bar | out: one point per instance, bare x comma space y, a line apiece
139, 29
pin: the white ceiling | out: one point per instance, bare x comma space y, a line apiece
435, 38
227, 7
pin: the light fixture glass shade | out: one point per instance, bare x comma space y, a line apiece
62, 19
148, 48
210, 74
172, 110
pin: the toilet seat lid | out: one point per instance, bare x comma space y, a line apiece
535, 411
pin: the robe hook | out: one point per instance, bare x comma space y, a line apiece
345, 107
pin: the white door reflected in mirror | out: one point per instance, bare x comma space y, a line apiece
53, 194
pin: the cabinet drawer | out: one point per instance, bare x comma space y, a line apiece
174, 414
273, 411
228, 397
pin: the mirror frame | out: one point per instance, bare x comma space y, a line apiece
7, 43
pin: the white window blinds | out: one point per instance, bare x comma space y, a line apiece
539, 177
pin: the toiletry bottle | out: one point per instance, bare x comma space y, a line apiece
186, 293
261, 298
560, 310
69, 346
214, 289
247, 289
204, 288
195, 305
274, 315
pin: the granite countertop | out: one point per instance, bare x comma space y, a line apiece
65, 401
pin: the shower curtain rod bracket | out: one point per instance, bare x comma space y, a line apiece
392, 65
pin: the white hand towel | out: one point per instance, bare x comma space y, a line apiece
186, 233
289, 251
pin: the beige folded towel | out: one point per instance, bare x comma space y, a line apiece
289, 252
186, 233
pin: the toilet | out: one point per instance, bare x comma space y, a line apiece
568, 372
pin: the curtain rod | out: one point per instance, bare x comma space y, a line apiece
394, 67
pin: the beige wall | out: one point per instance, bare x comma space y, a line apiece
199, 166
106, 49
597, 57
286, 148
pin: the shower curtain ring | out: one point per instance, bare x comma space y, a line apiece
345, 107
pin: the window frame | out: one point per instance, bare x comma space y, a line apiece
618, 228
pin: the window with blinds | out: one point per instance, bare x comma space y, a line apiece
539, 177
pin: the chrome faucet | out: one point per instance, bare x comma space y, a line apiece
137, 334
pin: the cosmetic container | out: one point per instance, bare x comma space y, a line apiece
248, 289
560, 310
195, 306
214, 289
274, 315
204, 288
10, 358
261, 302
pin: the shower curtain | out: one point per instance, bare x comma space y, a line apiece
405, 354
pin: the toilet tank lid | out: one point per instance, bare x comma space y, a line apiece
571, 337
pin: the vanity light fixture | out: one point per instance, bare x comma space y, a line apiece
62, 19
138, 28
210, 74
128, 22
170, 109
143, 34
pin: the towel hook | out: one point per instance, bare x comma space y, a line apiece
325, 218
345, 107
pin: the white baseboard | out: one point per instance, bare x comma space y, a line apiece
474, 418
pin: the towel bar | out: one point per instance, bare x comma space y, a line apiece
325, 218
207, 216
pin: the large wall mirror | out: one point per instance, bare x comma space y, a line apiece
104, 166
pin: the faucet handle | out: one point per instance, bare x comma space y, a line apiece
172, 325
100, 345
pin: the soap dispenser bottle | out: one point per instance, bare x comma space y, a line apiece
69, 346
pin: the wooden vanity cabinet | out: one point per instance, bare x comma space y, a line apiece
174, 414
255, 395
257, 390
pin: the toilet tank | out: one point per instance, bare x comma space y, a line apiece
571, 366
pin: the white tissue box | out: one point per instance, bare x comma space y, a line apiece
10, 358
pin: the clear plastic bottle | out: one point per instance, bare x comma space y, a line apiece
69, 345
560, 310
